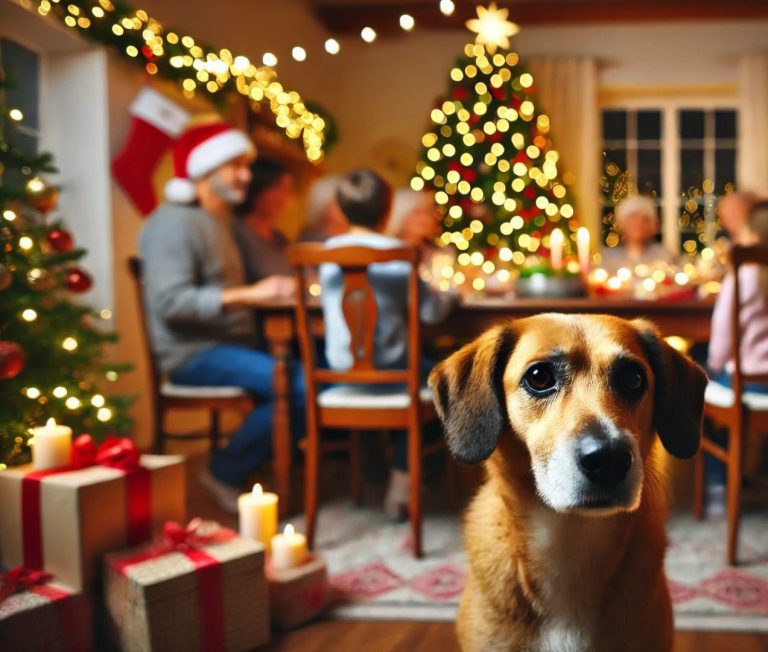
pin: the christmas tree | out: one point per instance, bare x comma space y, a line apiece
51, 347
491, 163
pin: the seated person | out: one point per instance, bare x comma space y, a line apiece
733, 210
364, 199
324, 217
753, 291
198, 303
262, 246
414, 218
637, 223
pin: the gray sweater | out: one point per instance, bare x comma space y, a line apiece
390, 284
189, 256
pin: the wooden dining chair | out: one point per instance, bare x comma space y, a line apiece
362, 397
736, 409
171, 396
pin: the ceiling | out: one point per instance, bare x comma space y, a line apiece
350, 16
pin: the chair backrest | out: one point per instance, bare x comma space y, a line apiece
136, 270
360, 314
757, 255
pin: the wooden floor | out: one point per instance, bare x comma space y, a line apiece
439, 637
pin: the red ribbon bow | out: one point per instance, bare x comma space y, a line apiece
21, 579
177, 537
115, 452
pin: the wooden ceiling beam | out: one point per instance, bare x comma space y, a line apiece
341, 18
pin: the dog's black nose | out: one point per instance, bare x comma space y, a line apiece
604, 461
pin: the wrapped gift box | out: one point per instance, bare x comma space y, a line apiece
64, 522
206, 591
46, 617
299, 594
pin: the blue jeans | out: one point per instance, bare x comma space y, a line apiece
250, 369
725, 378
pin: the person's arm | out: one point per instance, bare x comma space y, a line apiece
243, 296
720, 340
170, 286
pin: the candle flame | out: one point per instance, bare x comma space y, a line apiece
288, 531
582, 235
257, 490
557, 236
51, 423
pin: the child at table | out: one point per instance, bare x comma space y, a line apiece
753, 291
365, 198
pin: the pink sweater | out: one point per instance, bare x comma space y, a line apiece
754, 324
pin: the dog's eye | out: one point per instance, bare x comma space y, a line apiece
540, 378
631, 380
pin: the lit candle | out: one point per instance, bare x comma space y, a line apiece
258, 515
556, 249
582, 246
52, 447
289, 549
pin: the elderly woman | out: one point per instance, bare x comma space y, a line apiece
637, 223
324, 217
413, 218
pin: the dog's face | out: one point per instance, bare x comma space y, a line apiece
584, 393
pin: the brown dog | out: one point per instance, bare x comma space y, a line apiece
566, 539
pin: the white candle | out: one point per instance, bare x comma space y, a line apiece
582, 246
289, 549
258, 515
52, 448
556, 249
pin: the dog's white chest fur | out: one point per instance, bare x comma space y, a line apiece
571, 554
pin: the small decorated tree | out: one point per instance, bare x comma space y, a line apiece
50, 346
492, 165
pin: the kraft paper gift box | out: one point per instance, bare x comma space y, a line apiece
64, 521
43, 615
200, 588
298, 594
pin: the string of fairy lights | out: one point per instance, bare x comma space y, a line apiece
169, 54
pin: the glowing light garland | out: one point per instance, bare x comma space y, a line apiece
144, 41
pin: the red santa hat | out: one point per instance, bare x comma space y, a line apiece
200, 150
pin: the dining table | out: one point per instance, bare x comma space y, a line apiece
687, 318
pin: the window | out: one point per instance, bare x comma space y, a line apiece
681, 154
22, 71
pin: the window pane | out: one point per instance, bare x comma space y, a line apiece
725, 124
725, 168
614, 125
691, 124
617, 156
648, 125
691, 168
21, 68
649, 171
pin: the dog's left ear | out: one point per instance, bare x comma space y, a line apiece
678, 401
468, 391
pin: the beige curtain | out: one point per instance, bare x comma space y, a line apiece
752, 170
566, 90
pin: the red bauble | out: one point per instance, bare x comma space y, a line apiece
11, 359
529, 192
499, 93
460, 93
469, 175
60, 240
78, 280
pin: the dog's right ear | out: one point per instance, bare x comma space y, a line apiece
468, 391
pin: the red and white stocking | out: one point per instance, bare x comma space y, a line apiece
155, 124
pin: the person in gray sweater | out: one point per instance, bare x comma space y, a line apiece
365, 200
199, 305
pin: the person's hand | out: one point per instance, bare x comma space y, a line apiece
272, 287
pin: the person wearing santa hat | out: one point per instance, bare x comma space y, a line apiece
199, 306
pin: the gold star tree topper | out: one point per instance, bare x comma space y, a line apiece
492, 27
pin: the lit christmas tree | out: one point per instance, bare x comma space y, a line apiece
50, 347
491, 162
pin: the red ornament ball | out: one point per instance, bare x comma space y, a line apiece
11, 359
78, 280
60, 240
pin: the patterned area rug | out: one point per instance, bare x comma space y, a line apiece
374, 575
